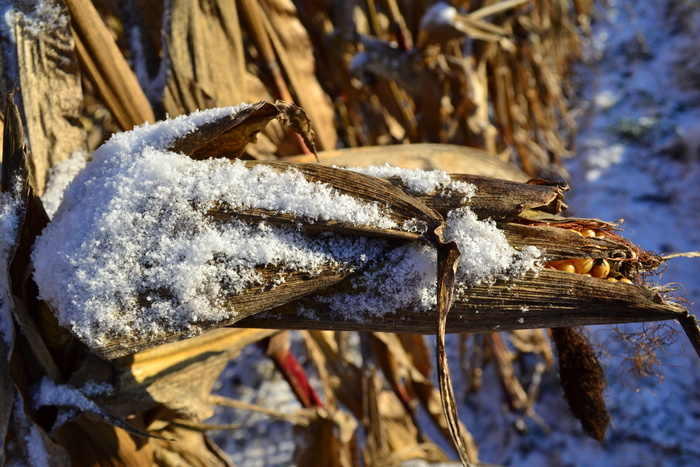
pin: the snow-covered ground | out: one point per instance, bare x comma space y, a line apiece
638, 158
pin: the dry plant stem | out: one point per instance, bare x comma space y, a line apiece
296, 419
107, 67
516, 394
47, 66
276, 348
255, 16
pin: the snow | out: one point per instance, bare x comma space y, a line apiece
36, 17
635, 111
420, 182
36, 450
252, 378
439, 14
9, 223
130, 251
59, 177
50, 394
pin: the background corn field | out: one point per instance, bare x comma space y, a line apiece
494, 76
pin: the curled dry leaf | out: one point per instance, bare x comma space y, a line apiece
16, 421
228, 135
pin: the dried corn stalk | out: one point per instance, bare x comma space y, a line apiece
395, 72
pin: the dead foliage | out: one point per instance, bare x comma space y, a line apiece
492, 77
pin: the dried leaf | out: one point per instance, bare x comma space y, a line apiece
15, 180
207, 59
228, 136
295, 53
297, 120
448, 258
329, 440
552, 299
72, 403
446, 157
90, 441
192, 448
47, 68
106, 67
14, 162
179, 376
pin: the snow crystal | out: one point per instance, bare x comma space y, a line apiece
420, 182
59, 177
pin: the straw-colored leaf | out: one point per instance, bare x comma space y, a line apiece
329, 440
427, 156
179, 376
46, 66
107, 68
207, 59
294, 51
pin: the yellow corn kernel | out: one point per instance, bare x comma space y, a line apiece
568, 267
588, 233
626, 281
565, 265
600, 234
575, 231
583, 265
600, 269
